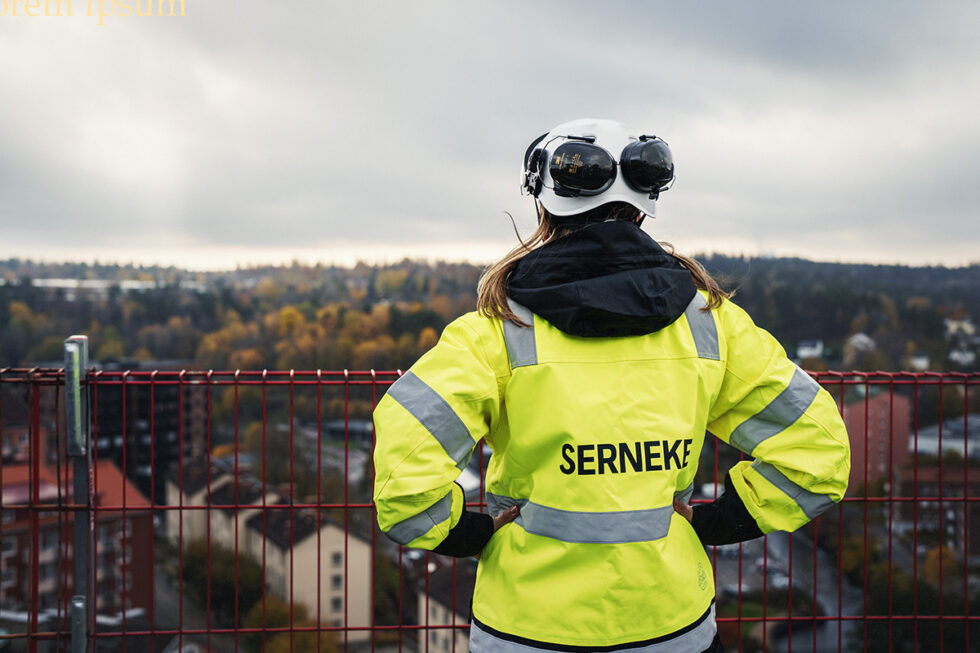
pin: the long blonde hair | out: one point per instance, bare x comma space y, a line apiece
491, 290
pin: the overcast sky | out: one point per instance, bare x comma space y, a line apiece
255, 131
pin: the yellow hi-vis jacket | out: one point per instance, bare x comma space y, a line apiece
593, 438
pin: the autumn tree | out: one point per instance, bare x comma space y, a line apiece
941, 563
274, 613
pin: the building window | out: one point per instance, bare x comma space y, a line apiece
49, 539
336, 604
336, 581
9, 545
8, 516
46, 571
9, 575
337, 558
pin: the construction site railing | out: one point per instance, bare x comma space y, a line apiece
144, 508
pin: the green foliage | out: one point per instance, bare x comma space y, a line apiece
112, 345
385, 590
217, 569
896, 592
276, 613
774, 604
52, 348
796, 299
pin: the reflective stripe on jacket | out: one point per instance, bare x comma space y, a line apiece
593, 438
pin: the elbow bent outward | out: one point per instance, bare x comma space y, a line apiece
428, 424
773, 411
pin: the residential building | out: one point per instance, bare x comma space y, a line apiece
123, 546
188, 487
856, 345
121, 550
809, 349
959, 435
305, 561
879, 435
14, 430
959, 519
148, 432
228, 524
314, 563
444, 599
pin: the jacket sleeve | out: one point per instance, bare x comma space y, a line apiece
427, 426
773, 411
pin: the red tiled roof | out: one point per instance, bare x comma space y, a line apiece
110, 485
17, 474
16, 488
17, 484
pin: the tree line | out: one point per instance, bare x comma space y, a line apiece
385, 317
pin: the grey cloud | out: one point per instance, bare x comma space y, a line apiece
270, 124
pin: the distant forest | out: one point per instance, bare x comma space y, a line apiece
385, 317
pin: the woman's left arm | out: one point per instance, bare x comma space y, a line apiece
427, 426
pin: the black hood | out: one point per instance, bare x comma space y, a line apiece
605, 279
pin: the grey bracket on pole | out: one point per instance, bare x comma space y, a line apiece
76, 365
80, 451
79, 622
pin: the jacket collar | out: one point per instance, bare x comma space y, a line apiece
604, 279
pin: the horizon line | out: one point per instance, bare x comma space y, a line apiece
387, 261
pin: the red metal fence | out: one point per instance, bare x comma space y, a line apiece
232, 511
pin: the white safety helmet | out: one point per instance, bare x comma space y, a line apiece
583, 164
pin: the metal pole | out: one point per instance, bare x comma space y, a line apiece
80, 451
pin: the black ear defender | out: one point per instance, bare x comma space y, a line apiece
578, 167
647, 165
531, 175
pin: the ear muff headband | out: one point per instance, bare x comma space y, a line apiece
533, 166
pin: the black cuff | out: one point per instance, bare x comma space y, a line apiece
726, 520
469, 536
